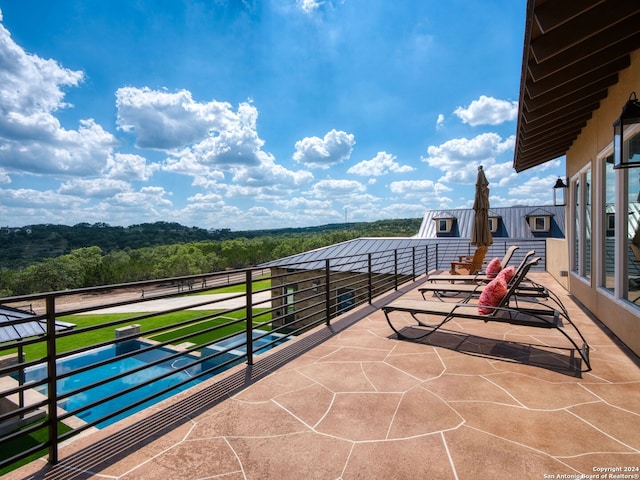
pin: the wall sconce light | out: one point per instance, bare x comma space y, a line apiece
560, 193
626, 138
315, 285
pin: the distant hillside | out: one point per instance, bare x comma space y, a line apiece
20, 247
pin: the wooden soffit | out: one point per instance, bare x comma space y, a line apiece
573, 51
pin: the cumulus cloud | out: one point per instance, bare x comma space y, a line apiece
533, 191
418, 188
30, 198
381, 164
459, 158
336, 188
205, 140
94, 188
315, 152
166, 121
488, 111
127, 166
32, 138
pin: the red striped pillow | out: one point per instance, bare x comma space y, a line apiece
494, 268
492, 295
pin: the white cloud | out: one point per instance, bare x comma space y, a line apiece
488, 111
336, 189
203, 140
147, 197
126, 166
335, 147
459, 158
418, 188
308, 6
381, 164
440, 122
29, 198
533, 191
166, 121
94, 188
32, 138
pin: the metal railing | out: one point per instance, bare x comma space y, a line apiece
189, 328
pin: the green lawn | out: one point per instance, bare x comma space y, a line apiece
29, 441
93, 337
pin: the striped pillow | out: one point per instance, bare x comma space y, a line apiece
494, 268
492, 295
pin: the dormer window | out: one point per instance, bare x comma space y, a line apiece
540, 223
444, 225
493, 224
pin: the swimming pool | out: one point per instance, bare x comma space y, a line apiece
75, 381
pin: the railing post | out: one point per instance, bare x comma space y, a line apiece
327, 280
52, 381
437, 258
426, 259
249, 316
395, 268
370, 279
413, 263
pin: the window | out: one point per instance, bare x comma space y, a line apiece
289, 301
346, 300
493, 224
611, 224
444, 225
540, 223
609, 205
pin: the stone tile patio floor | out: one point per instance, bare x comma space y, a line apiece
353, 402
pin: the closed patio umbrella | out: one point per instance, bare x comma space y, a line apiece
480, 231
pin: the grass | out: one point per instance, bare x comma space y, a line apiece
24, 443
255, 286
38, 350
64, 344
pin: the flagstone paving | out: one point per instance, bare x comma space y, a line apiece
351, 401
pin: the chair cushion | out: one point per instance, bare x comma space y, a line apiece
494, 268
492, 295
507, 274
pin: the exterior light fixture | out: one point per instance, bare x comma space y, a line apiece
626, 135
560, 193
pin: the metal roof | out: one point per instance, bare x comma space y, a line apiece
573, 51
352, 255
512, 222
9, 330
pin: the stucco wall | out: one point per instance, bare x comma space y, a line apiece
621, 317
557, 260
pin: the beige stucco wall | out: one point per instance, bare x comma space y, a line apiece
557, 263
621, 317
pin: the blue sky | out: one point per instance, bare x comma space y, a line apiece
251, 114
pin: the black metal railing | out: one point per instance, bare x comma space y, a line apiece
190, 328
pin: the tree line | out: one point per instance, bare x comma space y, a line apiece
58, 257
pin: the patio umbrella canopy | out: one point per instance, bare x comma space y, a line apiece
480, 231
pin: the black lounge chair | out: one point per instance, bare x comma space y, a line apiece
527, 288
538, 315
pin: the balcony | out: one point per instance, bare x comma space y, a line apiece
346, 399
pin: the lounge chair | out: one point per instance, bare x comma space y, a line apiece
527, 288
469, 264
537, 315
478, 276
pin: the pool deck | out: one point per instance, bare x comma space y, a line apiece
351, 401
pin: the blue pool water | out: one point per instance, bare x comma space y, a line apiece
73, 382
